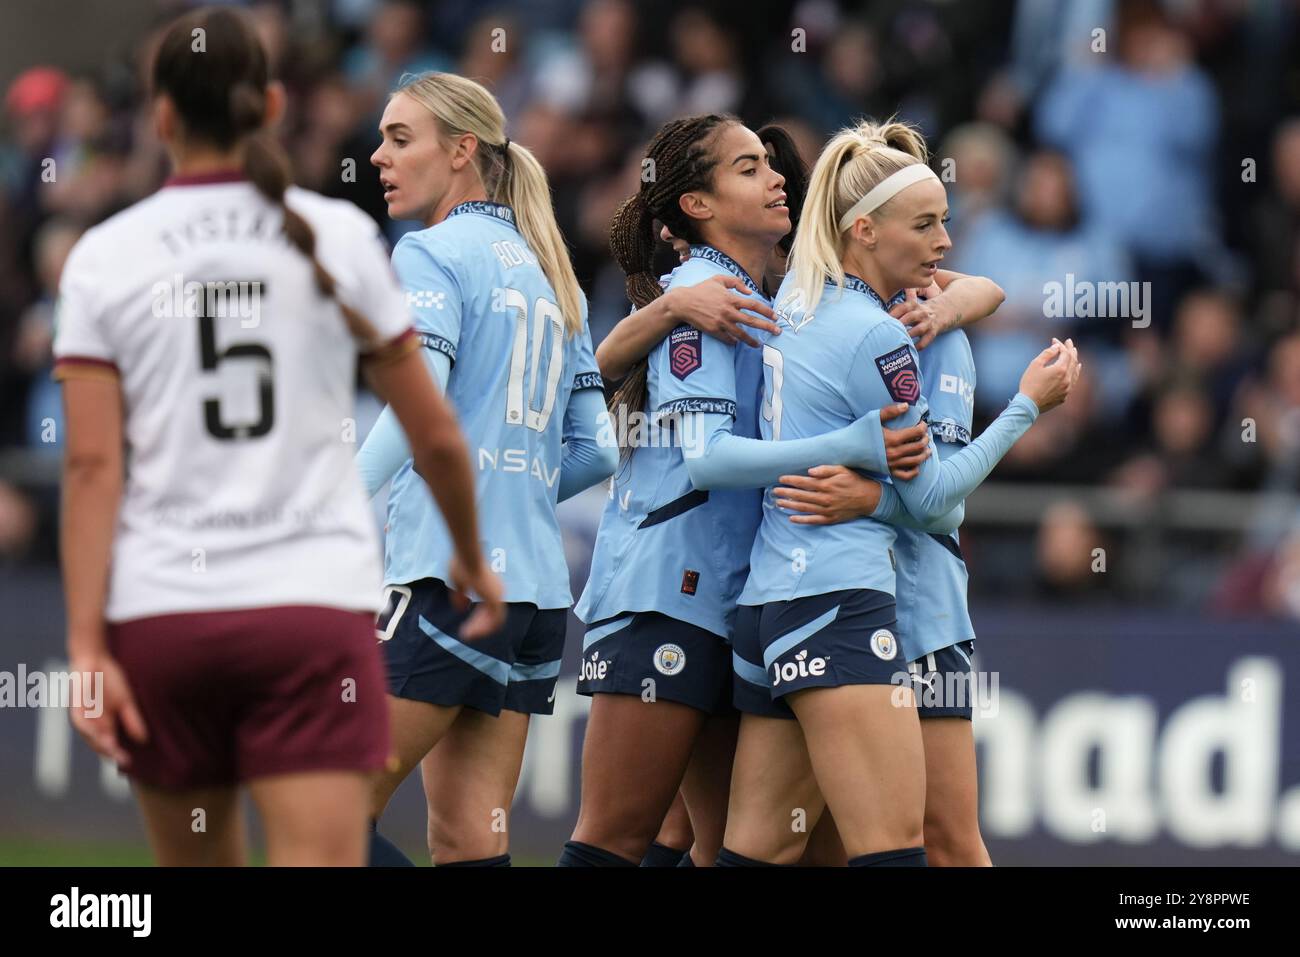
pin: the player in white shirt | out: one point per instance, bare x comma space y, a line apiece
220, 562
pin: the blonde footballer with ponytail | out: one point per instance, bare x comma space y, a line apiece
855, 162
509, 172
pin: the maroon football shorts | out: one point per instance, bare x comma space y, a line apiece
231, 696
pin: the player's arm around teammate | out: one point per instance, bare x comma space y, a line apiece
873, 782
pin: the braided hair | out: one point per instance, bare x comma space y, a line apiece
679, 161
220, 95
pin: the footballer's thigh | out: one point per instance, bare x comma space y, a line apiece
414, 728
469, 785
314, 818
867, 755
775, 800
943, 684
634, 755
432, 674
172, 821
654, 681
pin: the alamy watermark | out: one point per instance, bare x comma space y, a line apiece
53, 689
1085, 299
977, 690
178, 299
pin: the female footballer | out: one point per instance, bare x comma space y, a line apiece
816, 638
503, 324
220, 564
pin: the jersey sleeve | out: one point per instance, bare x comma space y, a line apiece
950, 392
81, 342
586, 373
430, 278
695, 373
886, 370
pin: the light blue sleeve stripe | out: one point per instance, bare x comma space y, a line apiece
494, 668
537, 672
783, 644
748, 671
604, 631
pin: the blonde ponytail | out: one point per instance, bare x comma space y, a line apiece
524, 188
509, 172
851, 164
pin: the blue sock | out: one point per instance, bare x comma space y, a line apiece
728, 858
501, 860
577, 854
900, 857
661, 855
686, 860
383, 852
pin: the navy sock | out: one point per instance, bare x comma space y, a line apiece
686, 860
900, 857
383, 852
501, 860
661, 855
577, 854
728, 858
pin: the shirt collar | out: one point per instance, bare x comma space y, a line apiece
858, 285
482, 206
703, 251
207, 179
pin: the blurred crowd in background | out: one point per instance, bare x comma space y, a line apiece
1083, 141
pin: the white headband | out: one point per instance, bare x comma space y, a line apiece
885, 190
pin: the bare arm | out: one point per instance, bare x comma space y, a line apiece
709, 306
92, 491
953, 300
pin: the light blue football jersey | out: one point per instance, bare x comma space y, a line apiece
663, 545
932, 577
824, 371
479, 296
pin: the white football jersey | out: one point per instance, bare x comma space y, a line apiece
238, 380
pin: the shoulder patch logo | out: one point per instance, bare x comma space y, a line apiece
685, 351
898, 369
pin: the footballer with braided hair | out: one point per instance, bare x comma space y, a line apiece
673, 546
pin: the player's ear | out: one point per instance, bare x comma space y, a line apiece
463, 152
695, 205
275, 100
864, 232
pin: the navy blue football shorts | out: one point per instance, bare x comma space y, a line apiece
514, 669
656, 657
819, 641
943, 682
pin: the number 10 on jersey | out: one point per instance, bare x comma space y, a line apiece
523, 358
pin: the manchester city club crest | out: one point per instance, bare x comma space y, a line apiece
669, 659
883, 644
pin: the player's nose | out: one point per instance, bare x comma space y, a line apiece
377, 158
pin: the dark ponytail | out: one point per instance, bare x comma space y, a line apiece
680, 162
787, 161
218, 85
